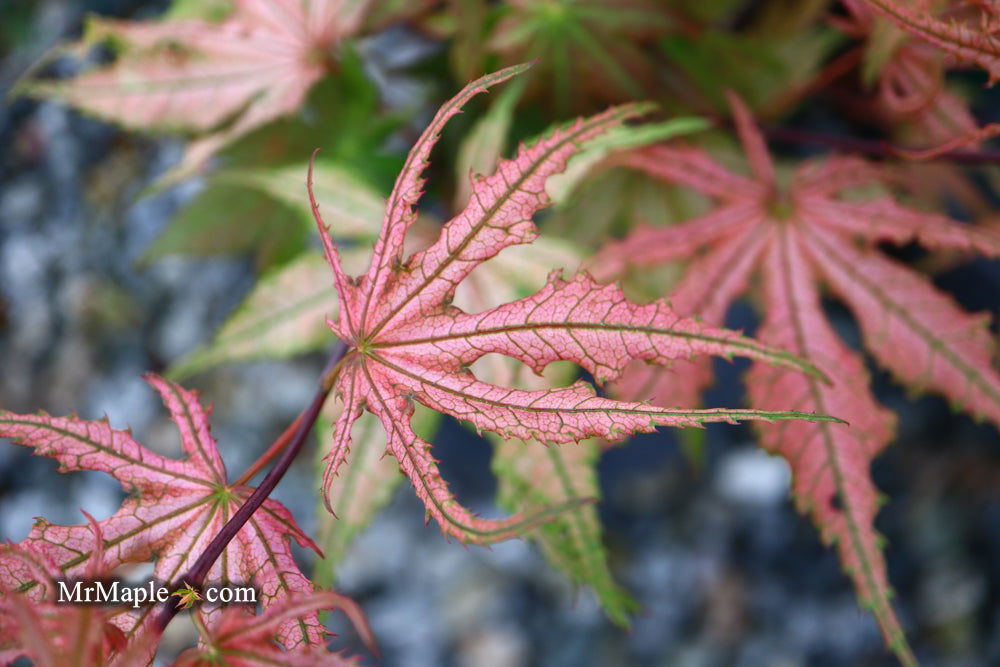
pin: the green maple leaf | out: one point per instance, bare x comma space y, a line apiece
188, 596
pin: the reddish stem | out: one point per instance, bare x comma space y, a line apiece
196, 575
271, 452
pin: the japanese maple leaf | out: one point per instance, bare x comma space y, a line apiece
242, 639
909, 79
186, 596
968, 37
224, 79
407, 343
49, 633
174, 508
911, 94
795, 240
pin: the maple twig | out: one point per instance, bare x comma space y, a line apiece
278, 445
196, 575
276, 448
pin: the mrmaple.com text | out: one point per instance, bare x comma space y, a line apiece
114, 592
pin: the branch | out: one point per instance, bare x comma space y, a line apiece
272, 452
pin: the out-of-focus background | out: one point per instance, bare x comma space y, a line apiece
726, 572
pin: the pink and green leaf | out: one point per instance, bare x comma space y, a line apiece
830, 462
966, 42
918, 333
360, 489
54, 634
818, 231
240, 638
174, 508
409, 344
218, 79
530, 474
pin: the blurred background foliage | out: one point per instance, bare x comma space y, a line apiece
120, 255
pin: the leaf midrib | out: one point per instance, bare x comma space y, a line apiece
789, 358
717, 414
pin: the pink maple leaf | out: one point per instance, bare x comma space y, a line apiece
242, 639
224, 79
910, 84
911, 87
406, 342
174, 508
796, 240
54, 634
964, 36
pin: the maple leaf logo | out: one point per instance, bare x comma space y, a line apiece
224, 79
174, 509
406, 342
794, 240
187, 596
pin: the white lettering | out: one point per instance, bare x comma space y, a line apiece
109, 594
65, 595
246, 595
114, 592
139, 597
